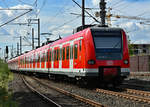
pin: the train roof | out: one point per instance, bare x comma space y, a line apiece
95, 28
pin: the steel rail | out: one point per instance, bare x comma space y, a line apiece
40, 94
80, 98
140, 74
138, 92
123, 95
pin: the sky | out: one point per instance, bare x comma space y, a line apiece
56, 18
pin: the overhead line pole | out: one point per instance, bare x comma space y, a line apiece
83, 15
102, 5
85, 11
32, 38
17, 48
38, 32
20, 45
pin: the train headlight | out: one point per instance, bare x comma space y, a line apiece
126, 61
91, 62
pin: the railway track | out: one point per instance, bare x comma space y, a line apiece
80, 98
138, 92
140, 74
135, 85
128, 95
44, 97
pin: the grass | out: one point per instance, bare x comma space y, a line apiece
5, 77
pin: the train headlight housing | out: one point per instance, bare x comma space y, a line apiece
126, 61
91, 62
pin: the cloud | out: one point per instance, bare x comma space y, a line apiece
65, 30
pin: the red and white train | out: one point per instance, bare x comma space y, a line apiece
95, 53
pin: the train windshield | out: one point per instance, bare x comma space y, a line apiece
108, 45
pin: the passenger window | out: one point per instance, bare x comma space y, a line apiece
80, 44
60, 53
64, 53
67, 52
52, 55
70, 52
57, 54
39, 58
44, 57
75, 51
49, 55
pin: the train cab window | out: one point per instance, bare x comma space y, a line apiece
80, 44
67, 52
64, 53
75, 51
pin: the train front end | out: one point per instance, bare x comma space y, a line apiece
110, 55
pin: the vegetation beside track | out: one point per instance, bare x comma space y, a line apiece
5, 95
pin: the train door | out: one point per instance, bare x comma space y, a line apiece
60, 57
38, 60
34, 60
56, 57
30, 60
75, 55
52, 58
67, 56
47, 58
65, 60
71, 56
80, 54
42, 59
63, 56
25, 62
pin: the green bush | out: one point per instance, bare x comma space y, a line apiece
5, 77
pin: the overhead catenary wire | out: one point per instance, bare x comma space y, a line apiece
16, 18
43, 4
56, 28
117, 3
